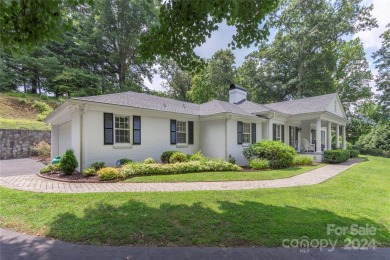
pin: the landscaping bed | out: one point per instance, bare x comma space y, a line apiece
75, 177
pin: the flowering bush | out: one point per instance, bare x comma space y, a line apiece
184, 167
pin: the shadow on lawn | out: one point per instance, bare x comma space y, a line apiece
232, 224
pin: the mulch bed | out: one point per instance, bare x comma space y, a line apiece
75, 177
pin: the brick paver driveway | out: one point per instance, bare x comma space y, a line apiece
38, 184
19, 167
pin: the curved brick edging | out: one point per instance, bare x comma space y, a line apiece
38, 184
74, 181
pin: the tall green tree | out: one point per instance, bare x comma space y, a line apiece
119, 24
177, 82
309, 54
382, 63
214, 80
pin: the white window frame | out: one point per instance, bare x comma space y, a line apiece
125, 129
246, 134
179, 129
278, 130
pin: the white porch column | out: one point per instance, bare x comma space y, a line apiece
344, 137
329, 137
270, 130
337, 136
54, 141
286, 134
318, 136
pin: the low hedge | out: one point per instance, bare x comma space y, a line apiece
353, 153
336, 156
176, 168
303, 160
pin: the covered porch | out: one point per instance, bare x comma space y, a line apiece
312, 134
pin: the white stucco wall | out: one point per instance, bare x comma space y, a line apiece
212, 141
235, 149
155, 138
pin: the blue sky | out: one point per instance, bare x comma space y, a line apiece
221, 38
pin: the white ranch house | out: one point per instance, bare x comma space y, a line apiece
137, 126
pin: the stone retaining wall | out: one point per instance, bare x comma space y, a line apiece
17, 143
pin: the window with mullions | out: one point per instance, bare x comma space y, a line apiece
122, 129
181, 132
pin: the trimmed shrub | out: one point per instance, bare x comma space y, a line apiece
259, 164
107, 174
371, 151
353, 153
149, 161
50, 168
166, 156
98, 165
336, 156
91, 171
303, 160
178, 157
185, 167
43, 149
124, 161
68, 162
198, 156
279, 155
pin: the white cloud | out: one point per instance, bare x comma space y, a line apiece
371, 39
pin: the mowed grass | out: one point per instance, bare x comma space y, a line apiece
225, 176
261, 217
23, 124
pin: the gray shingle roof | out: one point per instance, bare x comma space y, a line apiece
247, 108
142, 100
217, 106
303, 105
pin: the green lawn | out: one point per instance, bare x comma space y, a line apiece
262, 217
24, 124
225, 176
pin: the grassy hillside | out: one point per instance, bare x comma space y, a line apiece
23, 111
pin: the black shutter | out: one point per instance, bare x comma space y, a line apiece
190, 132
240, 137
282, 133
108, 128
274, 132
253, 133
173, 131
136, 130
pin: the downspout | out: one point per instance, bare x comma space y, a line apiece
226, 121
82, 111
226, 136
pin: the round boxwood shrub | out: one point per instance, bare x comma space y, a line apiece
107, 174
336, 156
166, 156
353, 153
124, 161
279, 155
149, 160
68, 162
259, 164
98, 165
178, 157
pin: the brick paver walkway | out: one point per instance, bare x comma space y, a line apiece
37, 184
